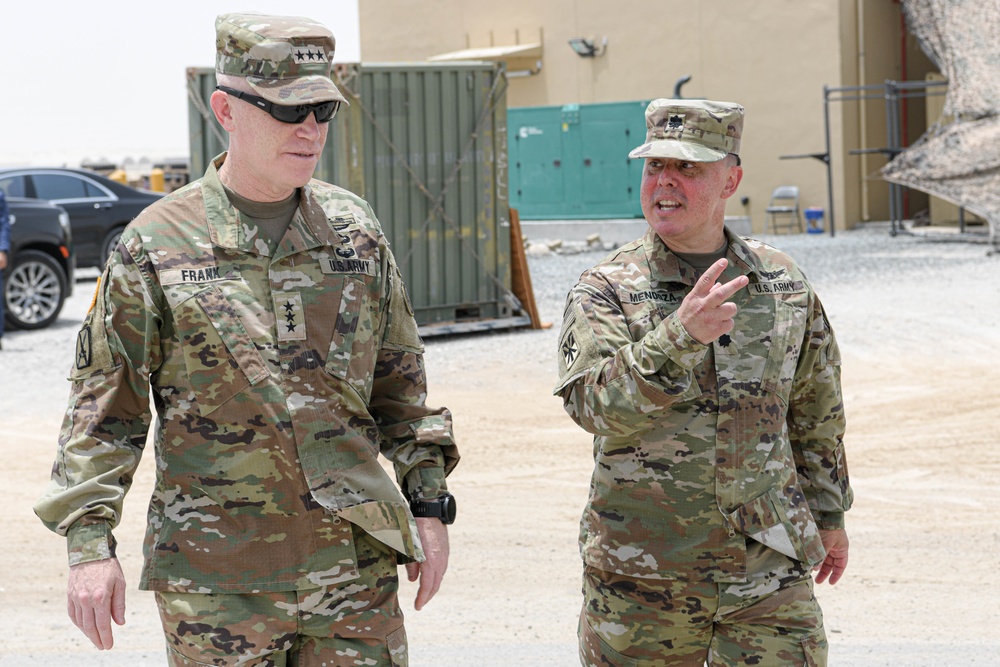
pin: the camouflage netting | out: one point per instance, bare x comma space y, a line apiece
958, 159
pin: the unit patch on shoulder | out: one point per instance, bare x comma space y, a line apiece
569, 349
93, 353
84, 348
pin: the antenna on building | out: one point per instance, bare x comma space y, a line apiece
677, 86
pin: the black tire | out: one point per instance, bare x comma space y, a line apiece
109, 244
33, 290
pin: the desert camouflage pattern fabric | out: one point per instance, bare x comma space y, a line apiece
698, 447
958, 158
277, 370
285, 59
352, 623
771, 619
696, 130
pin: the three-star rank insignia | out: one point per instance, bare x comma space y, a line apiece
569, 349
289, 316
675, 122
309, 54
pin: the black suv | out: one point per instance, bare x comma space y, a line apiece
41, 263
98, 207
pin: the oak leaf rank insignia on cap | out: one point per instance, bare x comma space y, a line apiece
695, 130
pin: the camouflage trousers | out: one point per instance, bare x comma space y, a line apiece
357, 622
770, 620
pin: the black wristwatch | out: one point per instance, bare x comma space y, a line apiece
442, 508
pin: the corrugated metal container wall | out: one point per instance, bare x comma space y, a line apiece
426, 146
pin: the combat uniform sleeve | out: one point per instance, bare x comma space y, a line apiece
105, 426
611, 384
416, 438
816, 424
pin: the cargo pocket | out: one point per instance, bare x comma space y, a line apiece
219, 355
783, 352
396, 643
816, 649
595, 652
345, 327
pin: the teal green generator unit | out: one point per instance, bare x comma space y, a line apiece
572, 161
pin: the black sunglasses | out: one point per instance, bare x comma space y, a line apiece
324, 111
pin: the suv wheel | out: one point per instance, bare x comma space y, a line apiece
34, 290
110, 243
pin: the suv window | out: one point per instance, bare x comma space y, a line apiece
59, 186
93, 190
13, 186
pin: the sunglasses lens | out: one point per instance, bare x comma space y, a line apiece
326, 111
296, 114
286, 114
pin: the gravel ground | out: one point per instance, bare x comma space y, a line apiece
861, 270
916, 321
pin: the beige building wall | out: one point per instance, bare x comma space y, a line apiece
772, 56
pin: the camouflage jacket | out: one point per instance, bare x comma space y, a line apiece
278, 372
698, 447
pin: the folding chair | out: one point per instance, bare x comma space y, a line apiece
784, 202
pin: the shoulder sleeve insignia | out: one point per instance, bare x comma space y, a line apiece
569, 349
578, 350
93, 352
84, 348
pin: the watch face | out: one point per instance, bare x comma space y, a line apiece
448, 509
443, 508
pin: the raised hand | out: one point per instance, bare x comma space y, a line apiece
706, 312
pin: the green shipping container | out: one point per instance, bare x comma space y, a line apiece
572, 161
426, 146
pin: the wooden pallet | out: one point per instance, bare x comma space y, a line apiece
520, 276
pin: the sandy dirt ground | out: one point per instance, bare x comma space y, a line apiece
922, 390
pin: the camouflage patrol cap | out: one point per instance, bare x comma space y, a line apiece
696, 130
285, 59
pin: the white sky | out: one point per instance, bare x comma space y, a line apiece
106, 79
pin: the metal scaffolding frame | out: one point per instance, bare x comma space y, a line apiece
893, 93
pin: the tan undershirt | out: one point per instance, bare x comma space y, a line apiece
271, 218
700, 261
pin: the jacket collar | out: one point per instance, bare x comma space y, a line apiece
309, 227
665, 266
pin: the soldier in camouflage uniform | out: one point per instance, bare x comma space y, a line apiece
706, 368
262, 314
